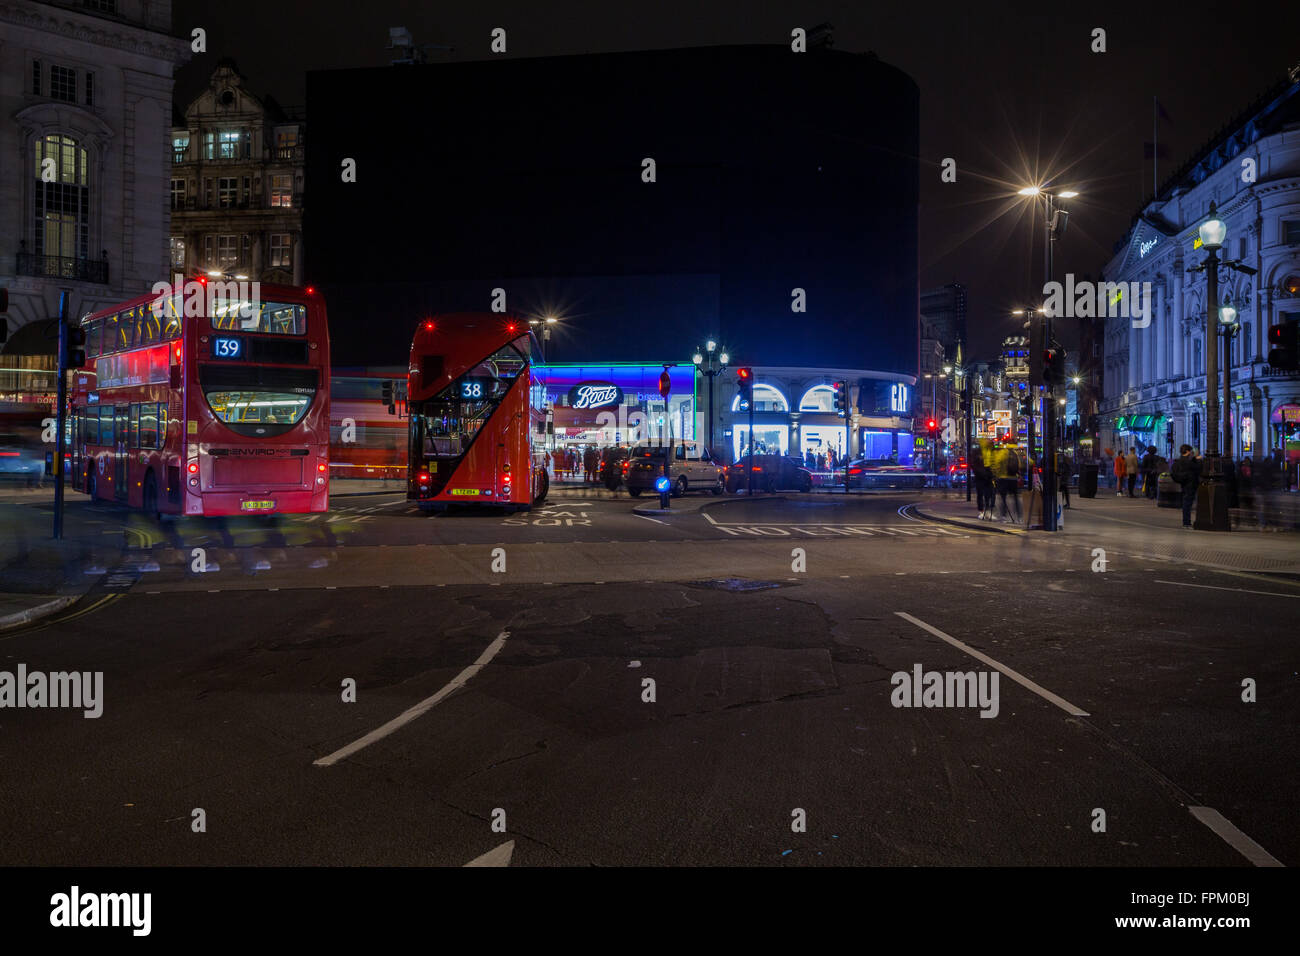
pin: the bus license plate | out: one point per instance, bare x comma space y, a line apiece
464, 491
257, 505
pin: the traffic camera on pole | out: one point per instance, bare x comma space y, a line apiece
1284, 346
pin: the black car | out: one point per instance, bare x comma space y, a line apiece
771, 473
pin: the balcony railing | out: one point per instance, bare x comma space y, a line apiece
62, 267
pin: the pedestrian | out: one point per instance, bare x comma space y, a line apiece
1131, 468
1008, 484
1120, 468
1150, 471
983, 485
1187, 472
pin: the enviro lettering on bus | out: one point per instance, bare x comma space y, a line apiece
168, 416
471, 421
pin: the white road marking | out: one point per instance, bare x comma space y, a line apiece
1019, 678
1230, 835
498, 857
647, 518
404, 718
1211, 587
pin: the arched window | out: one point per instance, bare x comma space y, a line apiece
766, 399
819, 398
62, 198
1196, 357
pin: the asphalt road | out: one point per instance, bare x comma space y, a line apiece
772, 630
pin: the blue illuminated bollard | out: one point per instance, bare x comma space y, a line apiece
663, 485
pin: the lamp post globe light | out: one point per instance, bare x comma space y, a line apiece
711, 362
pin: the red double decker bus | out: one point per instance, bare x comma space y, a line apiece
208, 400
474, 409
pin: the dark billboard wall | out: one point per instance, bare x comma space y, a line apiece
774, 171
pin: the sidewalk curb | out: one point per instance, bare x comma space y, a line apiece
20, 618
975, 525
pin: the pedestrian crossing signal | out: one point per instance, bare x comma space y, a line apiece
1284, 346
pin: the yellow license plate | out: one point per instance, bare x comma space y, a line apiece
257, 505
464, 491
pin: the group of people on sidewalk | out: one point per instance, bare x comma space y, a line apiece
997, 473
1128, 468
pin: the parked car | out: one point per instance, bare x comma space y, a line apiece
884, 473
771, 473
691, 467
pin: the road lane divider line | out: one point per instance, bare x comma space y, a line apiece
1212, 587
1230, 835
411, 713
647, 518
1019, 678
498, 857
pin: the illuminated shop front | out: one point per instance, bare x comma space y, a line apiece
612, 405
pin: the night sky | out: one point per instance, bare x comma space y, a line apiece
1012, 93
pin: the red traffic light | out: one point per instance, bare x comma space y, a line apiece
744, 374
931, 424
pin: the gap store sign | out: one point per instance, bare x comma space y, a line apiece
891, 399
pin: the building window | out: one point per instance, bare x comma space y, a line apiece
1196, 357
180, 148
177, 245
286, 141
1291, 232
280, 250
62, 202
63, 84
90, 89
227, 252
227, 191
178, 194
281, 190
225, 144
245, 250
36, 77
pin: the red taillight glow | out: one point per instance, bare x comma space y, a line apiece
194, 468
311, 290
855, 471
428, 326
178, 353
321, 466
424, 477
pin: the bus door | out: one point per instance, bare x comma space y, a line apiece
121, 416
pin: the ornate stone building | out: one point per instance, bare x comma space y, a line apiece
1154, 381
236, 165
85, 105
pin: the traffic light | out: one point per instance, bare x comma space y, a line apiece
841, 399
388, 398
1026, 405
1053, 366
1284, 346
745, 379
931, 426
74, 348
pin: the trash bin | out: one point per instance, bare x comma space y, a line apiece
1088, 479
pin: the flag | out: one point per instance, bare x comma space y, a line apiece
1162, 112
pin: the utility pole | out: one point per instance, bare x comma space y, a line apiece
62, 401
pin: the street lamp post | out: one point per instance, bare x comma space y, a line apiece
1055, 220
1212, 494
711, 363
1228, 324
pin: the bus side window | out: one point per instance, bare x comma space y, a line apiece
134, 419
93, 338
172, 312
126, 329
149, 326
110, 334
161, 438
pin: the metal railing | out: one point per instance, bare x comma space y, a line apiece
62, 267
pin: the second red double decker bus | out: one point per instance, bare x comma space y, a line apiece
474, 409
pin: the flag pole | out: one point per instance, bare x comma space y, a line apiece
1155, 143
